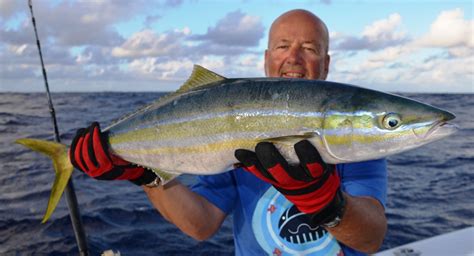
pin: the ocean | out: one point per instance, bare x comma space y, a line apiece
429, 191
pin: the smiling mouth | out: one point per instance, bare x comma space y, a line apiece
292, 75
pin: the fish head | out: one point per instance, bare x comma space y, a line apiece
370, 125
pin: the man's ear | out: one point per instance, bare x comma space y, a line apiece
265, 66
327, 60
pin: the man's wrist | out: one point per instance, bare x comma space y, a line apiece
331, 215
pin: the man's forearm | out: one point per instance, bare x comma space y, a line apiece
190, 212
363, 226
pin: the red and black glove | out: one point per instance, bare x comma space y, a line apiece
89, 152
312, 186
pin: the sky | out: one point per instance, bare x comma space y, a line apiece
144, 45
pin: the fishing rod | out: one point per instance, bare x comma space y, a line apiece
70, 193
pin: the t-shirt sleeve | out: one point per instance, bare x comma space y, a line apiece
219, 189
367, 178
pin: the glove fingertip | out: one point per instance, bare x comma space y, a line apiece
269, 155
80, 131
95, 124
79, 156
100, 146
90, 146
307, 152
265, 147
253, 164
79, 134
246, 157
305, 146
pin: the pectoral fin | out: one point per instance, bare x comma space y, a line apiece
291, 139
165, 176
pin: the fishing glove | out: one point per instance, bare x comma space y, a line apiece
89, 153
312, 185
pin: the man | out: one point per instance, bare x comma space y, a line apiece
276, 207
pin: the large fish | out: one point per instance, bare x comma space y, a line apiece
197, 129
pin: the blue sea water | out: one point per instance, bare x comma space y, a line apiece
430, 188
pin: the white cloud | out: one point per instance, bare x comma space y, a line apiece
450, 29
249, 60
461, 52
82, 47
173, 70
76, 23
385, 30
10, 8
391, 54
442, 58
147, 43
450, 72
410, 72
84, 58
250, 65
18, 49
235, 29
378, 35
233, 35
101, 54
156, 70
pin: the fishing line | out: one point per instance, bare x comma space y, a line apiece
70, 193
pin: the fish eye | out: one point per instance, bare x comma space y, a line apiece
391, 121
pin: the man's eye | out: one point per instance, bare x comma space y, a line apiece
282, 47
310, 49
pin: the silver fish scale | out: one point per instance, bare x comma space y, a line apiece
285, 101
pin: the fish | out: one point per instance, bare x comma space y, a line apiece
197, 129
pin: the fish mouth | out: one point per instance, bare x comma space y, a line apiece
438, 130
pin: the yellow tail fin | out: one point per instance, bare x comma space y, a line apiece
62, 166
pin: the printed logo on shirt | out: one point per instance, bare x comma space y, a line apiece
281, 229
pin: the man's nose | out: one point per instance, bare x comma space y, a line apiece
294, 56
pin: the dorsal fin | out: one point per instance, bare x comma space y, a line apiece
199, 77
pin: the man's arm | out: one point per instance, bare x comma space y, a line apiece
312, 186
192, 213
189, 211
363, 225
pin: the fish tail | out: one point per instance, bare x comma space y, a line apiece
62, 166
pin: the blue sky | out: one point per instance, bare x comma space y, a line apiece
417, 45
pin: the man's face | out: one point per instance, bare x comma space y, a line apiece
296, 49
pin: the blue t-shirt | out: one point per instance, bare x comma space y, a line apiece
266, 223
